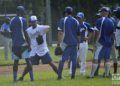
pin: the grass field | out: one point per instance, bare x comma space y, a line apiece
10, 61
49, 78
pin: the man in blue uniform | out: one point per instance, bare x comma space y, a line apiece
67, 40
103, 42
20, 42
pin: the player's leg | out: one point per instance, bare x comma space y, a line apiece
34, 60
15, 69
6, 47
84, 49
60, 68
95, 60
47, 59
118, 52
54, 67
70, 70
78, 60
115, 64
28, 69
114, 58
97, 70
107, 61
107, 68
73, 57
63, 58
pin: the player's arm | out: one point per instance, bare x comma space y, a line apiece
60, 37
60, 31
78, 35
97, 30
47, 28
25, 33
1, 30
27, 39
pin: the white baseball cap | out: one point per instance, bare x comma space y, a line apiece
33, 18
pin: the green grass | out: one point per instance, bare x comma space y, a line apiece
55, 58
49, 78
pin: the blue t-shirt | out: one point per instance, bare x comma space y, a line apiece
71, 30
5, 27
84, 29
16, 29
107, 29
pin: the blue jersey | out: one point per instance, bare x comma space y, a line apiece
70, 27
5, 27
16, 27
84, 28
106, 28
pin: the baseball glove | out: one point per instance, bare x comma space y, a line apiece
39, 39
58, 51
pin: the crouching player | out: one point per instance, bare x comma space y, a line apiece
39, 50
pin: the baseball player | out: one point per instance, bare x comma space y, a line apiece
117, 33
20, 42
104, 41
6, 35
85, 30
39, 50
68, 32
113, 54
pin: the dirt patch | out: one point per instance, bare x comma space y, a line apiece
39, 68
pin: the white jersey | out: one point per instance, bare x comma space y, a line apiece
41, 49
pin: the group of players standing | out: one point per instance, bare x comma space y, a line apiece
73, 36
77, 32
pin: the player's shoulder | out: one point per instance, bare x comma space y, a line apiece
99, 19
24, 19
40, 26
75, 20
29, 29
87, 23
13, 19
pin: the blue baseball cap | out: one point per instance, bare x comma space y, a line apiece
80, 15
68, 10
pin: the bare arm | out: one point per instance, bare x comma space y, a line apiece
27, 39
60, 37
47, 27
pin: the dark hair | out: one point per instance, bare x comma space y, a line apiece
68, 10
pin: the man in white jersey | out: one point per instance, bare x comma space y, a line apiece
39, 50
85, 30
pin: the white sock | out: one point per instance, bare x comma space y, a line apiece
107, 68
94, 67
70, 70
